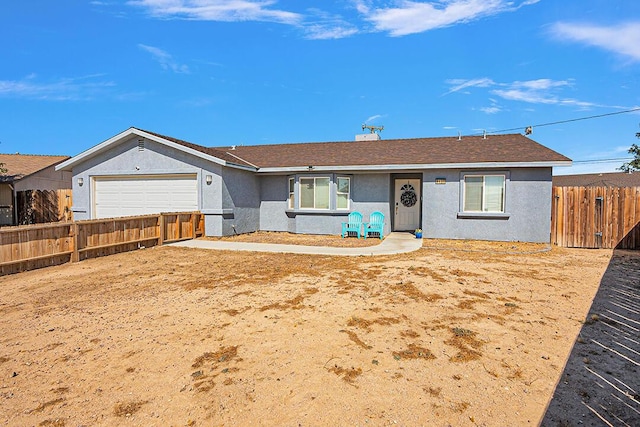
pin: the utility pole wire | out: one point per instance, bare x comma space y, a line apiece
568, 121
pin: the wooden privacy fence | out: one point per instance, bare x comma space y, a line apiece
42, 206
596, 217
35, 246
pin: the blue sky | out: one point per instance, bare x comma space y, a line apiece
221, 72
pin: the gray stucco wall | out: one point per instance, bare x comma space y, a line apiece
527, 203
369, 193
241, 195
127, 159
273, 206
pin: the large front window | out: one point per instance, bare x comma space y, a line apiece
314, 193
484, 193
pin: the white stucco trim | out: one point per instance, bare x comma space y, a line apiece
374, 168
124, 136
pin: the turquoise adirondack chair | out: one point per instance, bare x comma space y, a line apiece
353, 224
375, 224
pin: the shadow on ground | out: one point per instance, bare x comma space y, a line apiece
600, 385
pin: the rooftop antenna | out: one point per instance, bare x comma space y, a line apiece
372, 129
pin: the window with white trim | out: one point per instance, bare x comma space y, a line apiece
343, 191
292, 186
484, 193
314, 193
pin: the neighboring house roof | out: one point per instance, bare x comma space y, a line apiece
22, 165
612, 179
417, 153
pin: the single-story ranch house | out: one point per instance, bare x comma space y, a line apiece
493, 187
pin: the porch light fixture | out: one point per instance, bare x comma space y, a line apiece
208, 179
80, 181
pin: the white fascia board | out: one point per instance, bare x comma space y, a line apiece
121, 137
376, 168
242, 167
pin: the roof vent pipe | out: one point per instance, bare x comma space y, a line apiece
484, 134
459, 136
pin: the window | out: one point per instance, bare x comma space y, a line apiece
314, 193
484, 193
292, 183
342, 192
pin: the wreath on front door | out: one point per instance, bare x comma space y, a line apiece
408, 197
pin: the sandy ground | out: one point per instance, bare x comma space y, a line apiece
458, 333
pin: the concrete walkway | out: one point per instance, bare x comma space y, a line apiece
394, 243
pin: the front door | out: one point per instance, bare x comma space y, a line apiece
407, 205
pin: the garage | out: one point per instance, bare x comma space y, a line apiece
140, 195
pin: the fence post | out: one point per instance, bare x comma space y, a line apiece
75, 255
160, 230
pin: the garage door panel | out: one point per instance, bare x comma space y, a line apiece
126, 196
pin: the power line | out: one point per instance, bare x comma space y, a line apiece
566, 121
621, 159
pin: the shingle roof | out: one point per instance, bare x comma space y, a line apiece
219, 153
612, 179
513, 148
470, 151
20, 165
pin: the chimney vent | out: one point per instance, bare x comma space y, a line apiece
368, 137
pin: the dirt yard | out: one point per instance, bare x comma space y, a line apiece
458, 333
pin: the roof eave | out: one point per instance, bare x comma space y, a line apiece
416, 166
121, 137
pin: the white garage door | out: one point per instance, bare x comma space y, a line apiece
141, 195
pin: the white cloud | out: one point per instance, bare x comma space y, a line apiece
539, 91
460, 84
623, 39
403, 18
410, 17
316, 24
218, 10
491, 110
322, 25
319, 32
67, 89
541, 84
372, 118
165, 59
